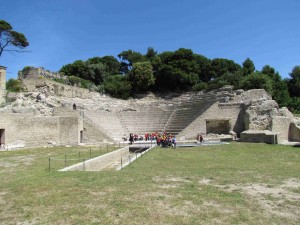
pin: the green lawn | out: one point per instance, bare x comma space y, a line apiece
229, 184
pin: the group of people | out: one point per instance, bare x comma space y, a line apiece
164, 140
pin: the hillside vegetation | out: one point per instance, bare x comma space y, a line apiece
181, 70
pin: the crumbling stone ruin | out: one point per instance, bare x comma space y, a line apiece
40, 72
43, 115
2, 84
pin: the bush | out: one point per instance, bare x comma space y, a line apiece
13, 85
199, 87
117, 86
79, 82
258, 81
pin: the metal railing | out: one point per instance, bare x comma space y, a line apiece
68, 159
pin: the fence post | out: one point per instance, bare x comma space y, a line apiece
49, 163
65, 160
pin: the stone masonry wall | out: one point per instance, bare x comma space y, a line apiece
294, 132
281, 124
231, 111
2, 84
39, 131
56, 88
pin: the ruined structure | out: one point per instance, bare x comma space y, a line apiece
40, 72
2, 84
24, 127
43, 115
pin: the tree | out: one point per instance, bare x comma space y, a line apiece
141, 76
221, 66
128, 58
111, 63
248, 67
77, 68
11, 38
178, 70
117, 86
258, 80
203, 67
13, 85
96, 72
294, 82
151, 53
281, 94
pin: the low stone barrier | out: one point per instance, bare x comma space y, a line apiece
100, 162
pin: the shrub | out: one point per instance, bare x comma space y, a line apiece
117, 86
199, 87
13, 85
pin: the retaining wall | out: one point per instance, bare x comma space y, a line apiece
233, 112
40, 131
100, 162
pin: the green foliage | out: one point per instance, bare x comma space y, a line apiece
199, 87
203, 67
234, 79
94, 69
13, 85
215, 84
258, 80
117, 86
151, 53
96, 72
221, 66
11, 38
128, 58
79, 82
294, 105
294, 82
178, 70
141, 76
281, 94
112, 65
74, 81
248, 67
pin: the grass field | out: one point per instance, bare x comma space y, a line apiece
226, 184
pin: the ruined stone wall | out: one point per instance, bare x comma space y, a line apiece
259, 136
2, 84
40, 131
32, 72
281, 124
294, 132
56, 88
233, 112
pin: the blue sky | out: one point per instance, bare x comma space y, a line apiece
62, 31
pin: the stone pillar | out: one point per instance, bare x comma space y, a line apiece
2, 84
